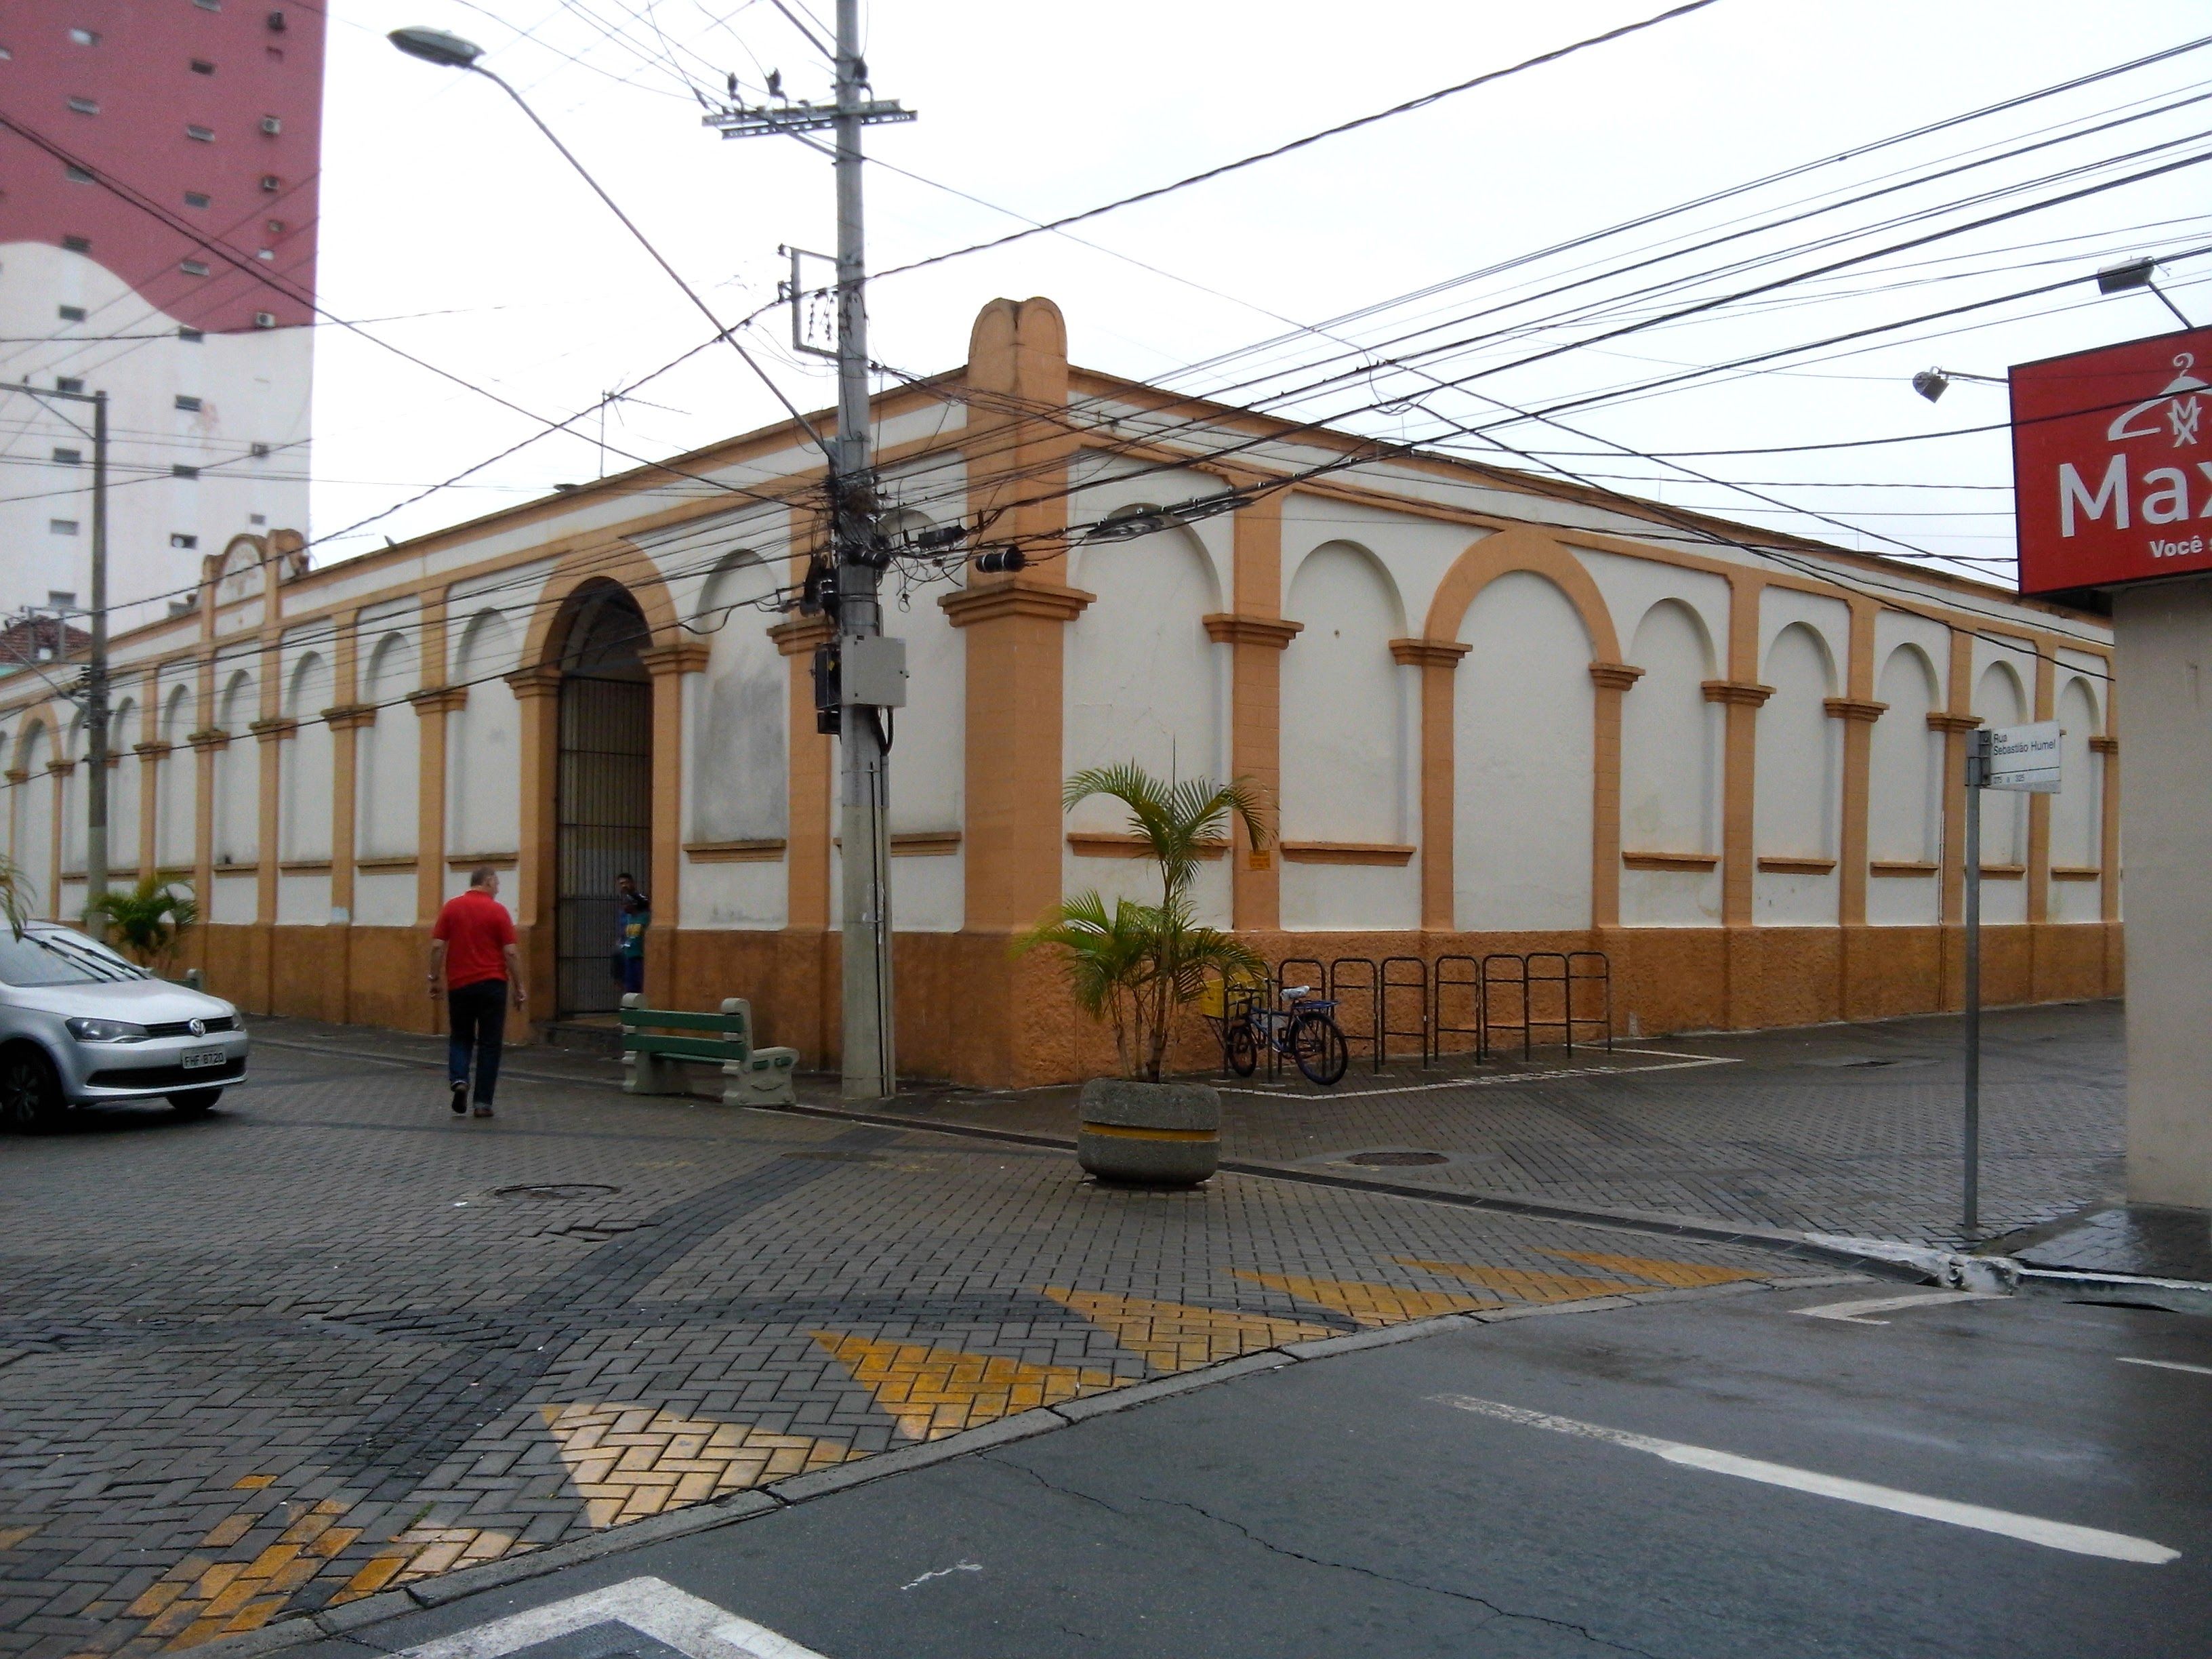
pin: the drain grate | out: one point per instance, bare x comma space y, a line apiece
1839, 1061
556, 1189
1396, 1160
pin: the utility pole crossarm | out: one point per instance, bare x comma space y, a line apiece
803, 118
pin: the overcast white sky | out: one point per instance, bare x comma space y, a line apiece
440, 199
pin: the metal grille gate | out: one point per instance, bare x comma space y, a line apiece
603, 826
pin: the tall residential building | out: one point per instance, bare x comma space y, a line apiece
158, 182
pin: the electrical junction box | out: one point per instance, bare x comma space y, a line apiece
874, 672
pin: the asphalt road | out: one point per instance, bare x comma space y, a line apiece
1701, 1479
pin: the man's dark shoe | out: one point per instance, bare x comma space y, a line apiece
460, 1098
483, 1108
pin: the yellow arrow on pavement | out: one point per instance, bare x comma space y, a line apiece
1371, 1305
1684, 1275
628, 1461
935, 1392
1526, 1283
1177, 1335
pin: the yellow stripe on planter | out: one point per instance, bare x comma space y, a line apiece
1125, 1131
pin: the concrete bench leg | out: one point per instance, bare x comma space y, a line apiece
649, 1074
763, 1077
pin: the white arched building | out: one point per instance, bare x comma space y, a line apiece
1497, 713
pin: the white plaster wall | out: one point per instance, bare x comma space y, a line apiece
177, 781
122, 789
738, 895
1345, 765
1670, 767
927, 894
1144, 683
384, 898
1524, 710
304, 778
2001, 699
1631, 586
1904, 789
1797, 797
1416, 553
73, 801
929, 757
237, 776
483, 742
736, 718
303, 900
34, 821
386, 751
2077, 810
236, 899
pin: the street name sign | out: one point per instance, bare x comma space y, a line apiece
2023, 758
2111, 456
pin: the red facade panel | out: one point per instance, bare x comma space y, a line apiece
164, 137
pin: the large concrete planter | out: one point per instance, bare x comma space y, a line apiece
1150, 1134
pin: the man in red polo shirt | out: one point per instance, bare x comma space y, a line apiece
473, 959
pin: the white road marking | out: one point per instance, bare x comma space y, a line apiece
1855, 1313
1489, 1082
2032, 1529
653, 1606
2166, 1365
943, 1573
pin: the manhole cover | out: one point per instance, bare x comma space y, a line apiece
1840, 1061
1396, 1160
556, 1189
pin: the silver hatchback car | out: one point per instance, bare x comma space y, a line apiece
80, 1026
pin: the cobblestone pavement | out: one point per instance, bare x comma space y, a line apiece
1842, 1130
331, 1339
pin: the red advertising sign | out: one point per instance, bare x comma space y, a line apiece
2112, 464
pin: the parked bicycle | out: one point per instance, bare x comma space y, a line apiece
1296, 1025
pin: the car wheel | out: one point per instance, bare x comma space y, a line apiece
194, 1103
30, 1093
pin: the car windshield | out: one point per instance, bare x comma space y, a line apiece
53, 955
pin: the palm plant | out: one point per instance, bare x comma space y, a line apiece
1137, 965
149, 919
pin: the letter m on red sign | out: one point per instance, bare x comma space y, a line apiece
2111, 456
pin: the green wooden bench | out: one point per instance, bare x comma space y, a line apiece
653, 1059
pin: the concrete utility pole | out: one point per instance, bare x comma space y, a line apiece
95, 673
870, 670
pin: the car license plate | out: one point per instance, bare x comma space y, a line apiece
194, 1059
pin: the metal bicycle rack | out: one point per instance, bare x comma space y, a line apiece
1503, 972
1463, 974
1542, 973
1364, 981
1418, 986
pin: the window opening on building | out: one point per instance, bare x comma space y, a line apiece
194, 268
188, 403
271, 125
69, 457
275, 227
194, 198
85, 106
271, 183
71, 313
178, 469
61, 527
205, 135
178, 538
201, 66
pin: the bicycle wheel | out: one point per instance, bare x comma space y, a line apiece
1243, 1050
1319, 1048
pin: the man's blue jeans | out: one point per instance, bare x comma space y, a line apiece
476, 1023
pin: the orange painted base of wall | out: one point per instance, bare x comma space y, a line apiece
972, 1012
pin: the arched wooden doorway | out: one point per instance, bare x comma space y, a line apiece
603, 790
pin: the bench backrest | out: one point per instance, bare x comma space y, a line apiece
727, 1036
